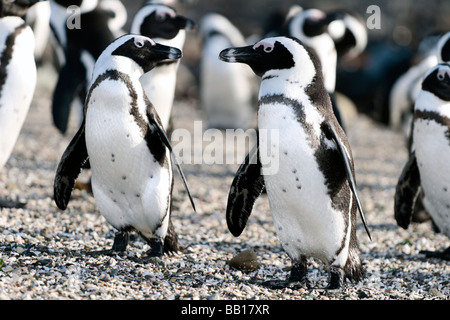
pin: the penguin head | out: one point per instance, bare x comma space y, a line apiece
17, 8
308, 23
134, 53
437, 81
348, 31
283, 57
443, 48
160, 21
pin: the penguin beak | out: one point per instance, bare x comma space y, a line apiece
241, 54
165, 52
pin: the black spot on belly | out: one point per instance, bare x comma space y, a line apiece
124, 177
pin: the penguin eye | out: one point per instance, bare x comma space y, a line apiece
441, 76
267, 47
160, 17
139, 43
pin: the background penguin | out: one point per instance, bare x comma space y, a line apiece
405, 91
226, 91
349, 33
311, 27
127, 147
427, 169
81, 46
17, 77
163, 25
312, 195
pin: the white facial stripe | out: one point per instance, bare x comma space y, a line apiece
268, 47
162, 12
139, 41
442, 72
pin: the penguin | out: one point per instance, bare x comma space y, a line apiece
435, 49
81, 46
443, 48
17, 77
307, 167
426, 172
162, 24
311, 27
349, 33
226, 92
127, 147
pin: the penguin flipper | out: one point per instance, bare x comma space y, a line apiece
69, 168
154, 122
407, 191
332, 134
246, 187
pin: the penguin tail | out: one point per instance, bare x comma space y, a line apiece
171, 243
353, 269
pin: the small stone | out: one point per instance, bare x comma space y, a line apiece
435, 292
245, 261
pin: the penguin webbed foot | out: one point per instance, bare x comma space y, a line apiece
336, 279
444, 255
297, 279
118, 248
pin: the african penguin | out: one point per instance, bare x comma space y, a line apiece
127, 147
348, 31
81, 45
17, 77
443, 48
427, 168
433, 49
226, 91
312, 195
163, 25
311, 27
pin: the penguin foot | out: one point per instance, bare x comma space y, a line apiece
336, 279
444, 255
11, 204
118, 248
156, 248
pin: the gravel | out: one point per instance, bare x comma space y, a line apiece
43, 250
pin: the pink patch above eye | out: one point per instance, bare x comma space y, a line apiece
162, 13
268, 47
140, 41
442, 72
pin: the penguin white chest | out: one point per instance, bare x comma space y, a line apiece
302, 211
432, 145
129, 185
159, 85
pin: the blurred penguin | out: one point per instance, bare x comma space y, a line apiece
311, 27
433, 49
82, 33
226, 90
162, 24
17, 77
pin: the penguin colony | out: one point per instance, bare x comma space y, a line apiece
126, 83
